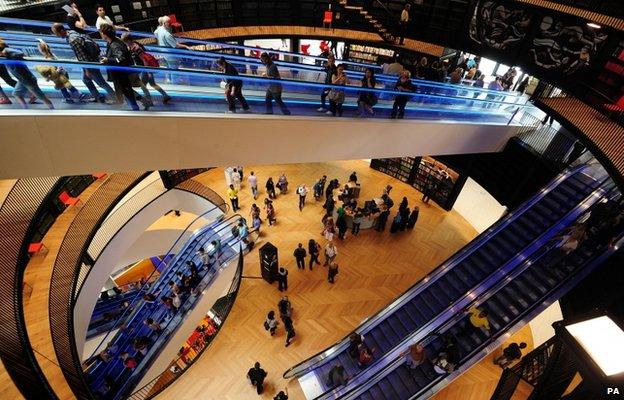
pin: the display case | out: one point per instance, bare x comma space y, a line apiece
425, 174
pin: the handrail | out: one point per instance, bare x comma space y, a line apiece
211, 273
147, 391
220, 45
475, 293
204, 74
579, 212
166, 265
237, 60
434, 275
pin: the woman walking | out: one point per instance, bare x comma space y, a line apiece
314, 249
270, 188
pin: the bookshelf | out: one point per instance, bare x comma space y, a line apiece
422, 173
367, 54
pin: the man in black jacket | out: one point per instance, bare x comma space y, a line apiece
300, 255
118, 54
233, 87
256, 375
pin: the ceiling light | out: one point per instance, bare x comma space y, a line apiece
594, 25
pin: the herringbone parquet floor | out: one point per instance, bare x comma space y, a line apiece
374, 269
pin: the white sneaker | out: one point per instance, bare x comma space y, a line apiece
329, 113
320, 109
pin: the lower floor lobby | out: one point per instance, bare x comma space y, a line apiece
374, 268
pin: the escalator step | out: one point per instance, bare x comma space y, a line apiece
522, 288
411, 323
377, 393
470, 269
415, 314
450, 288
431, 301
384, 337
387, 387
535, 281
423, 308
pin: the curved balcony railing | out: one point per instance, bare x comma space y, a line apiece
120, 216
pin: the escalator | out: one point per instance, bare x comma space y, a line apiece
511, 303
191, 78
107, 310
483, 262
101, 372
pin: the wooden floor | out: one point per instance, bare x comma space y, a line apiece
374, 269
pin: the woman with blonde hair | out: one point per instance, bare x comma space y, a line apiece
58, 76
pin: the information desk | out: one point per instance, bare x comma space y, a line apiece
368, 221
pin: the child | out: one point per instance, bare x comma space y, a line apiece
57, 75
26, 81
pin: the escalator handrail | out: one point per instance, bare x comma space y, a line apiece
440, 270
233, 218
150, 35
455, 309
420, 83
579, 213
202, 73
144, 289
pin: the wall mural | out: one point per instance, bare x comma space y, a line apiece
564, 47
499, 25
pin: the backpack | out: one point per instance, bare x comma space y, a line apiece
92, 49
148, 59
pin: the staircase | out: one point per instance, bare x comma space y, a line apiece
378, 27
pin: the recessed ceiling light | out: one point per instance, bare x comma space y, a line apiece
594, 25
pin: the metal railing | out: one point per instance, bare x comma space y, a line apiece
17, 213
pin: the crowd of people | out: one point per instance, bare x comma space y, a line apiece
123, 52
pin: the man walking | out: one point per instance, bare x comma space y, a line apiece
300, 255
404, 22
256, 376
302, 190
233, 195
330, 253
282, 279
510, 354
86, 49
274, 90
290, 329
253, 183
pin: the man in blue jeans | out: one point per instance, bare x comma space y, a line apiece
87, 50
